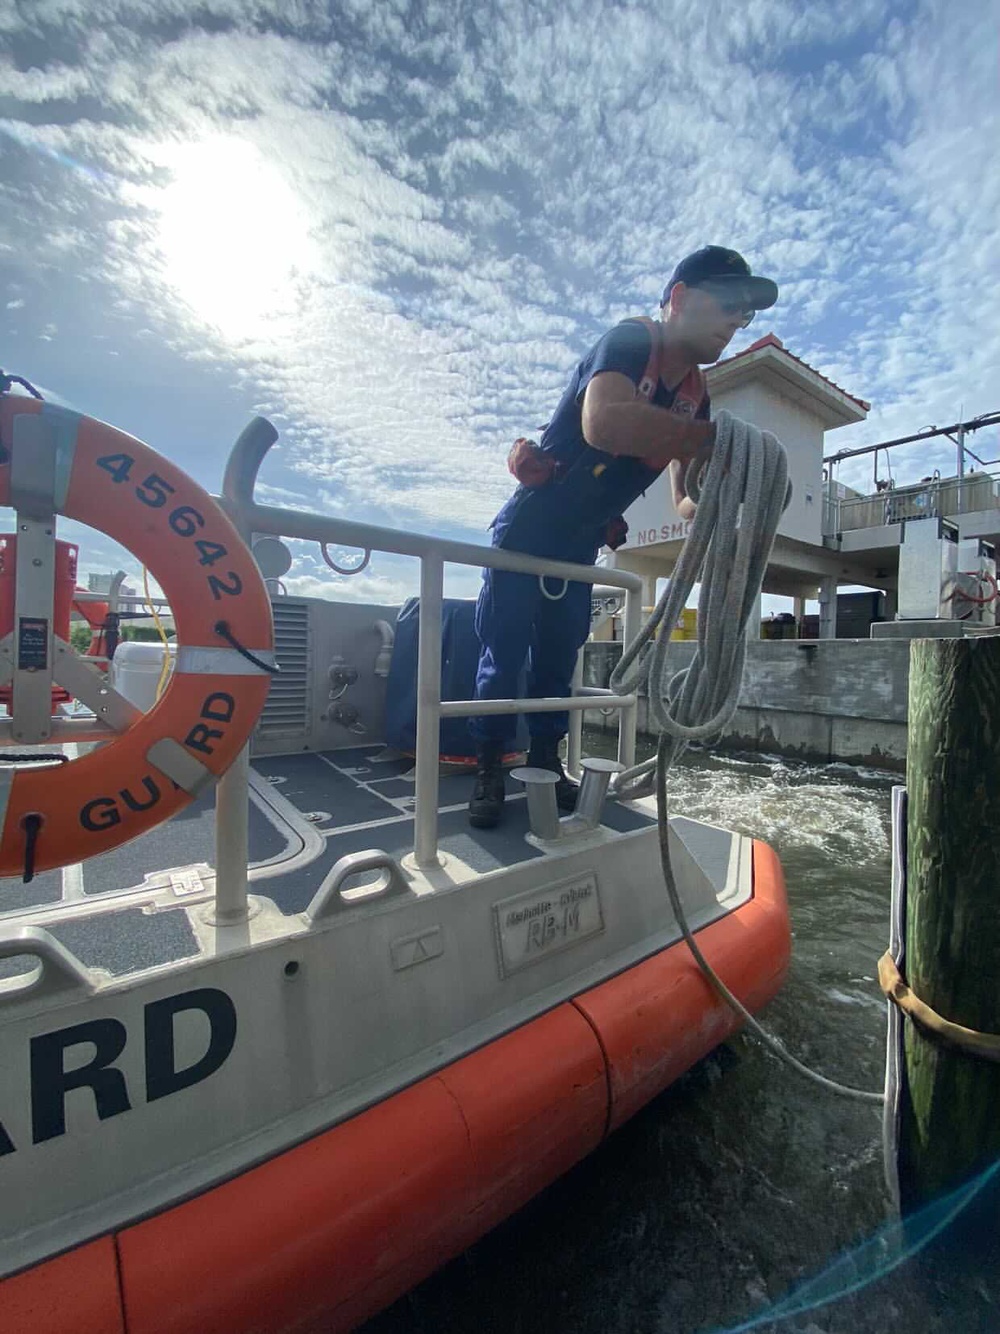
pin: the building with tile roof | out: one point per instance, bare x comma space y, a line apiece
830, 536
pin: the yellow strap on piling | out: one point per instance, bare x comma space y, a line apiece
984, 1045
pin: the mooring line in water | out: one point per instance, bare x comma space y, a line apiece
741, 495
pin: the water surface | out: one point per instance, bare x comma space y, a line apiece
743, 1179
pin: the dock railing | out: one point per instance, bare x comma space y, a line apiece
935, 498
433, 554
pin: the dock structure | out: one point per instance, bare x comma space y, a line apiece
833, 536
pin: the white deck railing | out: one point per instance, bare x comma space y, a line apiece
433, 554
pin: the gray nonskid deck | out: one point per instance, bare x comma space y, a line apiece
307, 810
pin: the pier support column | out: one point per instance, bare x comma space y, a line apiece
828, 608
950, 1125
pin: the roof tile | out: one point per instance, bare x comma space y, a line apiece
772, 340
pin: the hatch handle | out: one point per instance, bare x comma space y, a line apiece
332, 897
59, 969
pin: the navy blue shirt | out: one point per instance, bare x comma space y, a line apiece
624, 349
565, 519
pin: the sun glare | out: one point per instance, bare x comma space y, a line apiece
232, 233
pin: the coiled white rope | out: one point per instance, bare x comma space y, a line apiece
740, 497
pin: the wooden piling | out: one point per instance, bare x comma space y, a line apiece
950, 1123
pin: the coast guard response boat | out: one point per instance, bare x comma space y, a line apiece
280, 1033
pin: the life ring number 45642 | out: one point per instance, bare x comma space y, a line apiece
184, 520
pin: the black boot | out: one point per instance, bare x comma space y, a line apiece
544, 754
486, 804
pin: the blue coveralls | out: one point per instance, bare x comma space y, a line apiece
565, 519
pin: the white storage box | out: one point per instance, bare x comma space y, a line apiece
135, 670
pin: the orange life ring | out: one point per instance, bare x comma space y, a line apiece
159, 762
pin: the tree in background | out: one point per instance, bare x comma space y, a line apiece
79, 635
145, 633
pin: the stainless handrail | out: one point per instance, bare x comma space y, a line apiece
237, 499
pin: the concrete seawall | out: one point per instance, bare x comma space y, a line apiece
823, 700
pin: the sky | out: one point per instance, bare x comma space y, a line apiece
394, 228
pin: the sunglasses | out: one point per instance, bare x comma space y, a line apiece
729, 304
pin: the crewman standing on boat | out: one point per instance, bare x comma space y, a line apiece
636, 404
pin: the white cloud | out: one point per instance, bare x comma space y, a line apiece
928, 346
388, 580
38, 86
482, 199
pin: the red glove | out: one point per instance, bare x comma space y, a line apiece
616, 532
530, 465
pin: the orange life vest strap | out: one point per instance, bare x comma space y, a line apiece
689, 393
